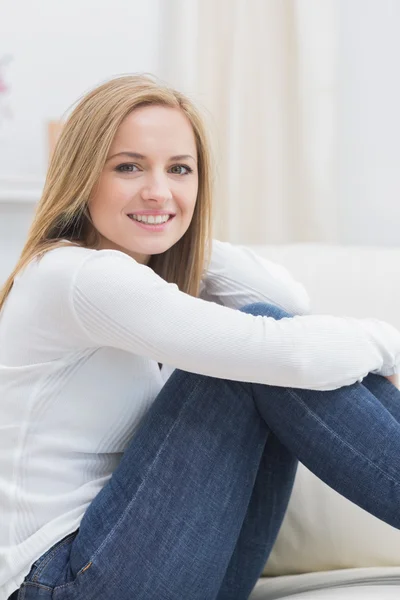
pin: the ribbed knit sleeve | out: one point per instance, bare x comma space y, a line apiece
237, 276
120, 303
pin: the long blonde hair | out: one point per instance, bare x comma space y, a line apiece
77, 162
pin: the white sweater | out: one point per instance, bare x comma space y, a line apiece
81, 334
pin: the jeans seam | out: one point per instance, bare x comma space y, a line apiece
110, 533
34, 584
356, 452
46, 561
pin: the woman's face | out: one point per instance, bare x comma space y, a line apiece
150, 172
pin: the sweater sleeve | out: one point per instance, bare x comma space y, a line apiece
120, 303
237, 276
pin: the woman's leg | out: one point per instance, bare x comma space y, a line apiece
255, 544
385, 391
166, 524
349, 438
171, 518
267, 507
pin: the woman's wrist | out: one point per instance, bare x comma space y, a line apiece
393, 379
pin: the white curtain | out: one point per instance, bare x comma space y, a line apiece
265, 73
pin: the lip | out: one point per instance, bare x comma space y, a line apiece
155, 213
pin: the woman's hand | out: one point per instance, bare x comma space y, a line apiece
393, 379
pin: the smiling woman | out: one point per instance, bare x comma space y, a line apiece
152, 158
151, 187
119, 479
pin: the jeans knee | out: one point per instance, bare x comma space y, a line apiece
266, 310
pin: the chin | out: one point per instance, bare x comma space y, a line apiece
150, 249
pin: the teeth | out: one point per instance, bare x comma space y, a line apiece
151, 219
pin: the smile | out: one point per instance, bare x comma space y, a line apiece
159, 223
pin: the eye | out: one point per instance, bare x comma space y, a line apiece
126, 168
176, 169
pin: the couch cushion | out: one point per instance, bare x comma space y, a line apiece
344, 280
350, 584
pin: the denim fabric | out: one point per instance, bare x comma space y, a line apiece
194, 507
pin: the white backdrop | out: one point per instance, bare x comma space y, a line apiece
368, 122
60, 50
267, 77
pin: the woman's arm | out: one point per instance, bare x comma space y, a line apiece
120, 303
238, 276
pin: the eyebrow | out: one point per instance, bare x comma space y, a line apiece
142, 157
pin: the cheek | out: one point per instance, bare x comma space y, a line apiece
189, 200
111, 196
99, 208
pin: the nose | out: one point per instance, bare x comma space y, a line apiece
156, 188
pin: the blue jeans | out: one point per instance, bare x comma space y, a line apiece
195, 505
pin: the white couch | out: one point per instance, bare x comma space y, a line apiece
328, 548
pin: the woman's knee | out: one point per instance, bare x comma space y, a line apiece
266, 310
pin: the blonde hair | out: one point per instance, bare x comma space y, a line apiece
77, 162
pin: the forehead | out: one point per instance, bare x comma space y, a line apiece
151, 129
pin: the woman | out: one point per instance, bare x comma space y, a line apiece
157, 390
